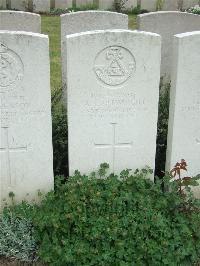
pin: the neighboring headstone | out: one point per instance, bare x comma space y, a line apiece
52, 3
184, 115
82, 3
167, 24
86, 21
41, 6
190, 3
106, 4
26, 161
3, 4
130, 4
20, 21
113, 90
172, 5
149, 5
21, 5
63, 4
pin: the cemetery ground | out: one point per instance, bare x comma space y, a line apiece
163, 229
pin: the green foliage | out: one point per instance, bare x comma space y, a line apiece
119, 5
59, 123
184, 182
89, 6
137, 10
194, 10
117, 220
58, 11
16, 237
163, 115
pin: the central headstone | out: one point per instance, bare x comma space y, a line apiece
112, 91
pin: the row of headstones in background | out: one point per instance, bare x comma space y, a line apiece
45, 5
168, 24
26, 5
101, 4
26, 157
151, 5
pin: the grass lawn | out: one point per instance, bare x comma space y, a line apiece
51, 27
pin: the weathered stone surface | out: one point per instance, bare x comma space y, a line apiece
3, 4
63, 4
167, 24
87, 21
21, 5
106, 5
41, 6
91, 20
149, 5
189, 3
113, 86
26, 163
172, 5
130, 4
80, 3
184, 118
20, 21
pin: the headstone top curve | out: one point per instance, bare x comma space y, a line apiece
93, 12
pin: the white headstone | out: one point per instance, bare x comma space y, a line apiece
130, 4
113, 86
167, 24
184, 118
63, 4
149, 5
82, 3
21, 5
106, 4
3, 4
170, 5
86, 21
41, 6
25, 116
20, 21
190, 3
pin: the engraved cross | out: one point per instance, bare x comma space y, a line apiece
114, 145
7, 150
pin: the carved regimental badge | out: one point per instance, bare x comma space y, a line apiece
114, 65
11, 69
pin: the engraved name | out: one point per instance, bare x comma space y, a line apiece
121, 105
